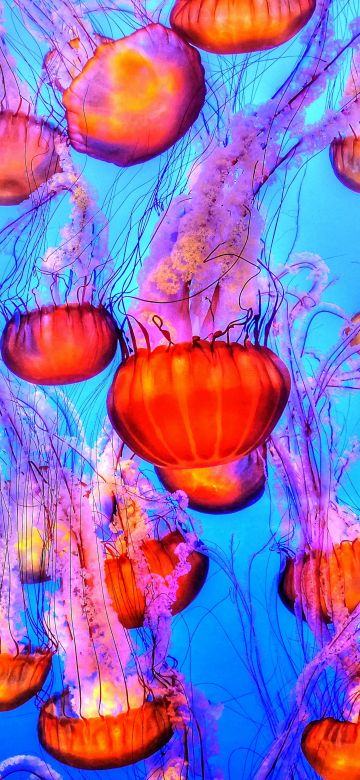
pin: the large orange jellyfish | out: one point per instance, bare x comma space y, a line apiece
21, 677
107, 741
127, 594
336, 573
239, 26
28, 156
219, 489
345, 160
135, 97
332, 747
198, 403
59, 344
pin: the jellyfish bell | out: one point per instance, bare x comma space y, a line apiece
345, 160
332, 748
103, 741
198, 404
57, 345
135, 97
62, 65
22, 676
219, 489
28, 156
239, 26
130, 596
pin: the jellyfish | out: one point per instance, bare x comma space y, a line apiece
332, 748
344, 156
242, 390
219, 489
240, 26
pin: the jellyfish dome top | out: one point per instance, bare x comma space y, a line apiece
240, 25
219, 489
240, 389
135, 97
345, 160
332, 747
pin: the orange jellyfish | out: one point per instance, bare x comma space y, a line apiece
198, 403
332, 747
127, 594
59, 344
21, 677
135, 97
345, 160
219, 489
337, 574
239, 26
28, 156
106, 741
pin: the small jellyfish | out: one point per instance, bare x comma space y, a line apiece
198, 404
57, 345
106, 741
28, 156
135, 97
21, 677
128, 594
345, 160
240, 25
332, 747
219, 489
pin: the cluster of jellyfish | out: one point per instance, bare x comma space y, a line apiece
163, 291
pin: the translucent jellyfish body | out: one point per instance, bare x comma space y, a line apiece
331, 579
59, 344
127, 591
219, 489
135, 97
345, 160
239, 26
332, 747
198, 403
28, 156
107, 741
21, 677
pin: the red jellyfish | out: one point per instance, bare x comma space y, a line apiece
28, 156
219, 489
199, 403
345, 160
21, 677
135, 97
240, 25
332, 747
127, 592
105, 742
57, 345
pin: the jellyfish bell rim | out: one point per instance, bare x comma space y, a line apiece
37, 371
31, 686
82, 726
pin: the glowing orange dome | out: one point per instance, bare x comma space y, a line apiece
332, 747
236, 26
57, 345
28, 157
198, 403
103, 742
219, 489
135, 97
345, 160
21, 677
126, 592
337, 574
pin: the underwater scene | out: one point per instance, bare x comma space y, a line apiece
180, 390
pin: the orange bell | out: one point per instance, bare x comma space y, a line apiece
237, 26
345, 160
219, 489
332, 747
57, 345
198, 404
21, 677
107, 741
128, 595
